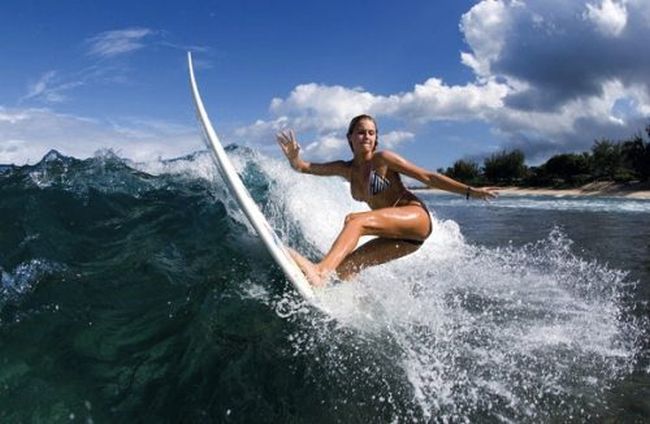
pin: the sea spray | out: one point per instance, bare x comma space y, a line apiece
157, 300
509, 333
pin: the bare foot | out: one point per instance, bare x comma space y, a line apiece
311, 271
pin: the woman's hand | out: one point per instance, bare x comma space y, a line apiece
484, 193
290, 147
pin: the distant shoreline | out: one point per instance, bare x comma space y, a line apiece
599, 189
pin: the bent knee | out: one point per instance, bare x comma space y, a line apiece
353, 217
359, 220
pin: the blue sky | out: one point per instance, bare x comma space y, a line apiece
446, 80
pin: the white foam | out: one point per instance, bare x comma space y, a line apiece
25, 276
473, 326
500, 331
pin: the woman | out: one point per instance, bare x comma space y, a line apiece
398, 218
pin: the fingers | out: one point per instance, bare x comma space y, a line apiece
282, 138
284, 142
487, 193
286, 137
287, 141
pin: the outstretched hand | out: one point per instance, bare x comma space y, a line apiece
290, 147
484, 193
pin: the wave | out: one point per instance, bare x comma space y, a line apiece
154, 272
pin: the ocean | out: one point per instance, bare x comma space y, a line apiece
138, 292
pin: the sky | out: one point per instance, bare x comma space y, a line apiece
446, 80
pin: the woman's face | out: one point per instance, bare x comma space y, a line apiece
364, 137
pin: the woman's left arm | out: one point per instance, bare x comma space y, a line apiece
433, 179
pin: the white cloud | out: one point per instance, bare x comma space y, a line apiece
395, 138
118, 42
436, 101
550, 76
262, 129
327, 110
610, 16
321, 107
54, 86
11, 117
568, 64
558, 123
11, 149
320, 110
327, 147
484, 27
50, 88
27, 134
39, 87
558, 55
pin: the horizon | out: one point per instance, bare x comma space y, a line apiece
110, 152
465, 81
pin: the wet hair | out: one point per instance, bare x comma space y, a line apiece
353, 125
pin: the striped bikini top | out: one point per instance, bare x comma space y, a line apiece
377, 184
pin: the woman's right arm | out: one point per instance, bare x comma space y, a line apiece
291, 149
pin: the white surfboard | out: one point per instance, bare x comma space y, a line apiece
272, 242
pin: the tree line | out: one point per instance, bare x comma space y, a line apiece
620, 161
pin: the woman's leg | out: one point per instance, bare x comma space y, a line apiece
404, 222
375, 252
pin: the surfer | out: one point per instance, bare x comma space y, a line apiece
398, 218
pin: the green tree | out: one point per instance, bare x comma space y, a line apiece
505, 167
607, 161
636, 156
465, 171
570, 167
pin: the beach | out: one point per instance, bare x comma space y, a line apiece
639, 191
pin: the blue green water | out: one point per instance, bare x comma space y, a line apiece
138, 293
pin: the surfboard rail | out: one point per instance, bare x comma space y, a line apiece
272, 242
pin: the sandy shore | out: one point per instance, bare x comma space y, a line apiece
602, 189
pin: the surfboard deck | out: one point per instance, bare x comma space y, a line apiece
236, 187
